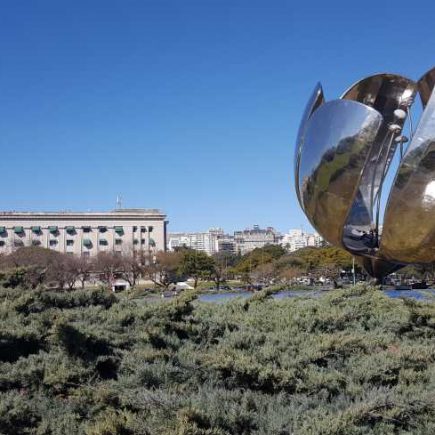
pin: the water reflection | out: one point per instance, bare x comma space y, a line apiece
423, 295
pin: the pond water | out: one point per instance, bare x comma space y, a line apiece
428, 295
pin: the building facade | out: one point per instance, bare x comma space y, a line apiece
249, 239
120, 231
201, 241
297, 239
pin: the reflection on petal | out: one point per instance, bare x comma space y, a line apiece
315, 100
337, 141
409, 224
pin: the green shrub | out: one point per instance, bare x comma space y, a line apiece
349, 362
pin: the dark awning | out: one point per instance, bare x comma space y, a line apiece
119, 230
18, 230
2, 230
70, 229
87, 242
52, 229
36, 229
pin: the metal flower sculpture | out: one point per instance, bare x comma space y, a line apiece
343, 151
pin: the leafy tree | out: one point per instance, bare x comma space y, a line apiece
222, 264
250, 261
196, 265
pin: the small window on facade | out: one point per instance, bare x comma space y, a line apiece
102, 229
143, 229
134, 228
150, 229
86, 229
53, 242
2, 243
135, 242
143, 241
69, 242
118, 242
103, 242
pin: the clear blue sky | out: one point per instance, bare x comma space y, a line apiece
187, 106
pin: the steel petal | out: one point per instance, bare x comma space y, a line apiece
337, 142
316, 99
409, 223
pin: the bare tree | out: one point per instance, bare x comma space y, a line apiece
163, 268
132, 267
289, 274
84, 269
108, 266
264, 273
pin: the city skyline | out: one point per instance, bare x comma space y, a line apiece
191, 108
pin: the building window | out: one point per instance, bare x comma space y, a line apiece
87, 243
143, 229
118, 242
119, 231
103, 242
142, 241
2, 243
69, 242
53, 229
86, 229
102, 229
36, 230
19, 230
135, 242
53, 242
134, 229
150, 229
70, 230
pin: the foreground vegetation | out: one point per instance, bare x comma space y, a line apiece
351, 362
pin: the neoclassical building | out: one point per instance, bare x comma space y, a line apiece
85, 234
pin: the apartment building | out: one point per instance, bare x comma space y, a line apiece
206, 241
249, 239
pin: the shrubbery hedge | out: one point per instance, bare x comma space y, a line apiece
351, 362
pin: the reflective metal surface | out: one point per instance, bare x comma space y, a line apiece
409, 224
425, 86
315, 100
386, 93
337, 141
343, 151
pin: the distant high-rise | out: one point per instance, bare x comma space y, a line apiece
206, 241
297, 239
